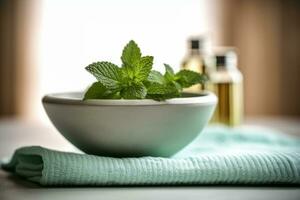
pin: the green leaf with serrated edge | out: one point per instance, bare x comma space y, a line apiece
134, 91
162, 97
156, 88
114, 96
187, 78
156, 76
169, 74
135, 80
169, 69
177, 85
106, 73
160, 91
98, 91
131, 56
144, 68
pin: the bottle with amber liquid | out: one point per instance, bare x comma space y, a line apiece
196, 59
226, 81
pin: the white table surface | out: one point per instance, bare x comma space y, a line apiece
15, 133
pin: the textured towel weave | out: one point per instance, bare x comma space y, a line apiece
218, 156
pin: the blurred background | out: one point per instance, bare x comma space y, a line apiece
45, 45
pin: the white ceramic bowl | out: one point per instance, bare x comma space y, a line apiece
129, 127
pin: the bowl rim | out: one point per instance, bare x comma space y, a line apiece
69, 98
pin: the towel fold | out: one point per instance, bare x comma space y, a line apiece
218, 156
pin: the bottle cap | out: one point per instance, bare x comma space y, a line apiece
226, 57
220, 60
200, 43
194, 44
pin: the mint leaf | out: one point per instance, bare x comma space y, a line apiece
131, 56
135, 66
144, 68
161, 91
135, 80
177, 85
107, 74
156, 88
156, 77
169, 74
169, 69
96, 91
171, 78
134, 91
187, 78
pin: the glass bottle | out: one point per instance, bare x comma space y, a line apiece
196, 59
226, 81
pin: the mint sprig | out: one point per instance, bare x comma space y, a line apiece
135, 79
108, 74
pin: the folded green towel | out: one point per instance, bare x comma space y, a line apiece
218, 156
